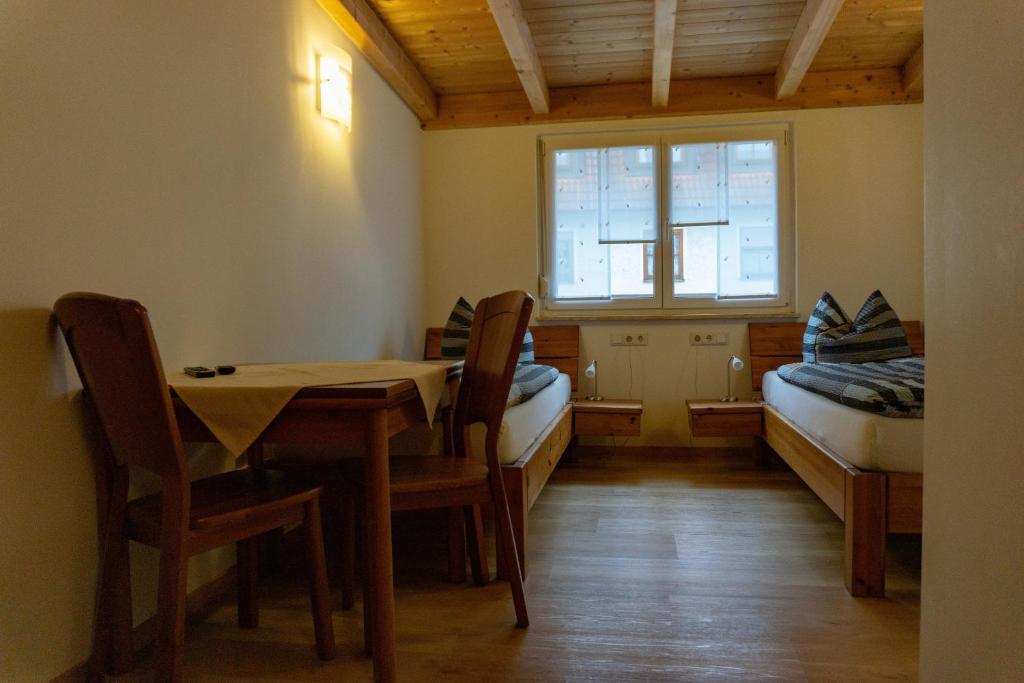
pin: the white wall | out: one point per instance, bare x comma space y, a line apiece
859, 227
972, 596
172, 152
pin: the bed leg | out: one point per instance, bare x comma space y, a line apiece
864, 570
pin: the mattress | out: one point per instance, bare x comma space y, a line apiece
865, 440
523, 423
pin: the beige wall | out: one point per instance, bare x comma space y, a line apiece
859, 227
972, 600
172, 152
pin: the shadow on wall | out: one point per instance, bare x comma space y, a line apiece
49, 450
48, 501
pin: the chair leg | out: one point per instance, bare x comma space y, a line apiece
456, 546
246, 553
477, 548
503, 529
320, 594
515, 493
170, 639
112, 631
348, 551
112, 638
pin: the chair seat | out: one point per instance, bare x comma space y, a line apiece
425, 473
228, 498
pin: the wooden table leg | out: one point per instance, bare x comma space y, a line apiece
378, 526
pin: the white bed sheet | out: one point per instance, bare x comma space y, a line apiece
523, 423
865, 440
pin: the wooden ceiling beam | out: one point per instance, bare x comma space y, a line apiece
913, 71
664, 41
809, 34
692, 96
364, 28
508, 14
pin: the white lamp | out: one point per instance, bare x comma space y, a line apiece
334, 86
591, 372
735, 364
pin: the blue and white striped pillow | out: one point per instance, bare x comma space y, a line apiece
529, 380
875, 334
455, 338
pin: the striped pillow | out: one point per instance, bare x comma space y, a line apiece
875, 334
455, 338
528, 381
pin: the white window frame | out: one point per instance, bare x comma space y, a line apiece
663, 304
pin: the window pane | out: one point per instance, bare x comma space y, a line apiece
628, 194
700, 256
627, 265
747, 246
734, 184
600, 193
698, 189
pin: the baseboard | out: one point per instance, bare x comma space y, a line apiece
199, 604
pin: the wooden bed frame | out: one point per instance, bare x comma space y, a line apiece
871, 504
557, 346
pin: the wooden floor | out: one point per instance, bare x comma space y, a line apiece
645, 566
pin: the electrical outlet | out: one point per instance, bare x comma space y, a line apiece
629, 339
708, 338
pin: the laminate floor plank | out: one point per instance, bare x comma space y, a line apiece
645, 565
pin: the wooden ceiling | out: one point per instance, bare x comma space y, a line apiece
465, 63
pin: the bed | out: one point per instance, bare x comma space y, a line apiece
536, 433
866, 468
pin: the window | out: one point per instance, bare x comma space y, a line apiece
711, 206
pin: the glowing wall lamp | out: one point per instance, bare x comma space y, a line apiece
334, 86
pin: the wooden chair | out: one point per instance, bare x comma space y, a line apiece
115, 353
426, 482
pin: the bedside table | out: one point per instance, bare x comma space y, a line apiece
610, 417
711, 417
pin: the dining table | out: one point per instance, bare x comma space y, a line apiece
363, 415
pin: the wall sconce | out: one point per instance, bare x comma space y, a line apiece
334, 86
735, 365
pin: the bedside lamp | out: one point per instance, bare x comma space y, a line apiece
591, 372
735, 364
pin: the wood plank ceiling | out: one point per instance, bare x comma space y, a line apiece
507, 62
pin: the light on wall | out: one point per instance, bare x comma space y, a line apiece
735, 365
591, 372
334, 86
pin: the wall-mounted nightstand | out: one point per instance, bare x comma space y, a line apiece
610, 417
711, 417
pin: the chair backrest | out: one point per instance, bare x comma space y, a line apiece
115, 354
499, 324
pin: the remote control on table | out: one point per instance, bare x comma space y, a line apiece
200, 372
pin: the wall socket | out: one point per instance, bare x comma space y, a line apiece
629, 339
706, 338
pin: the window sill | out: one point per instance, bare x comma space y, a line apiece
607, 315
